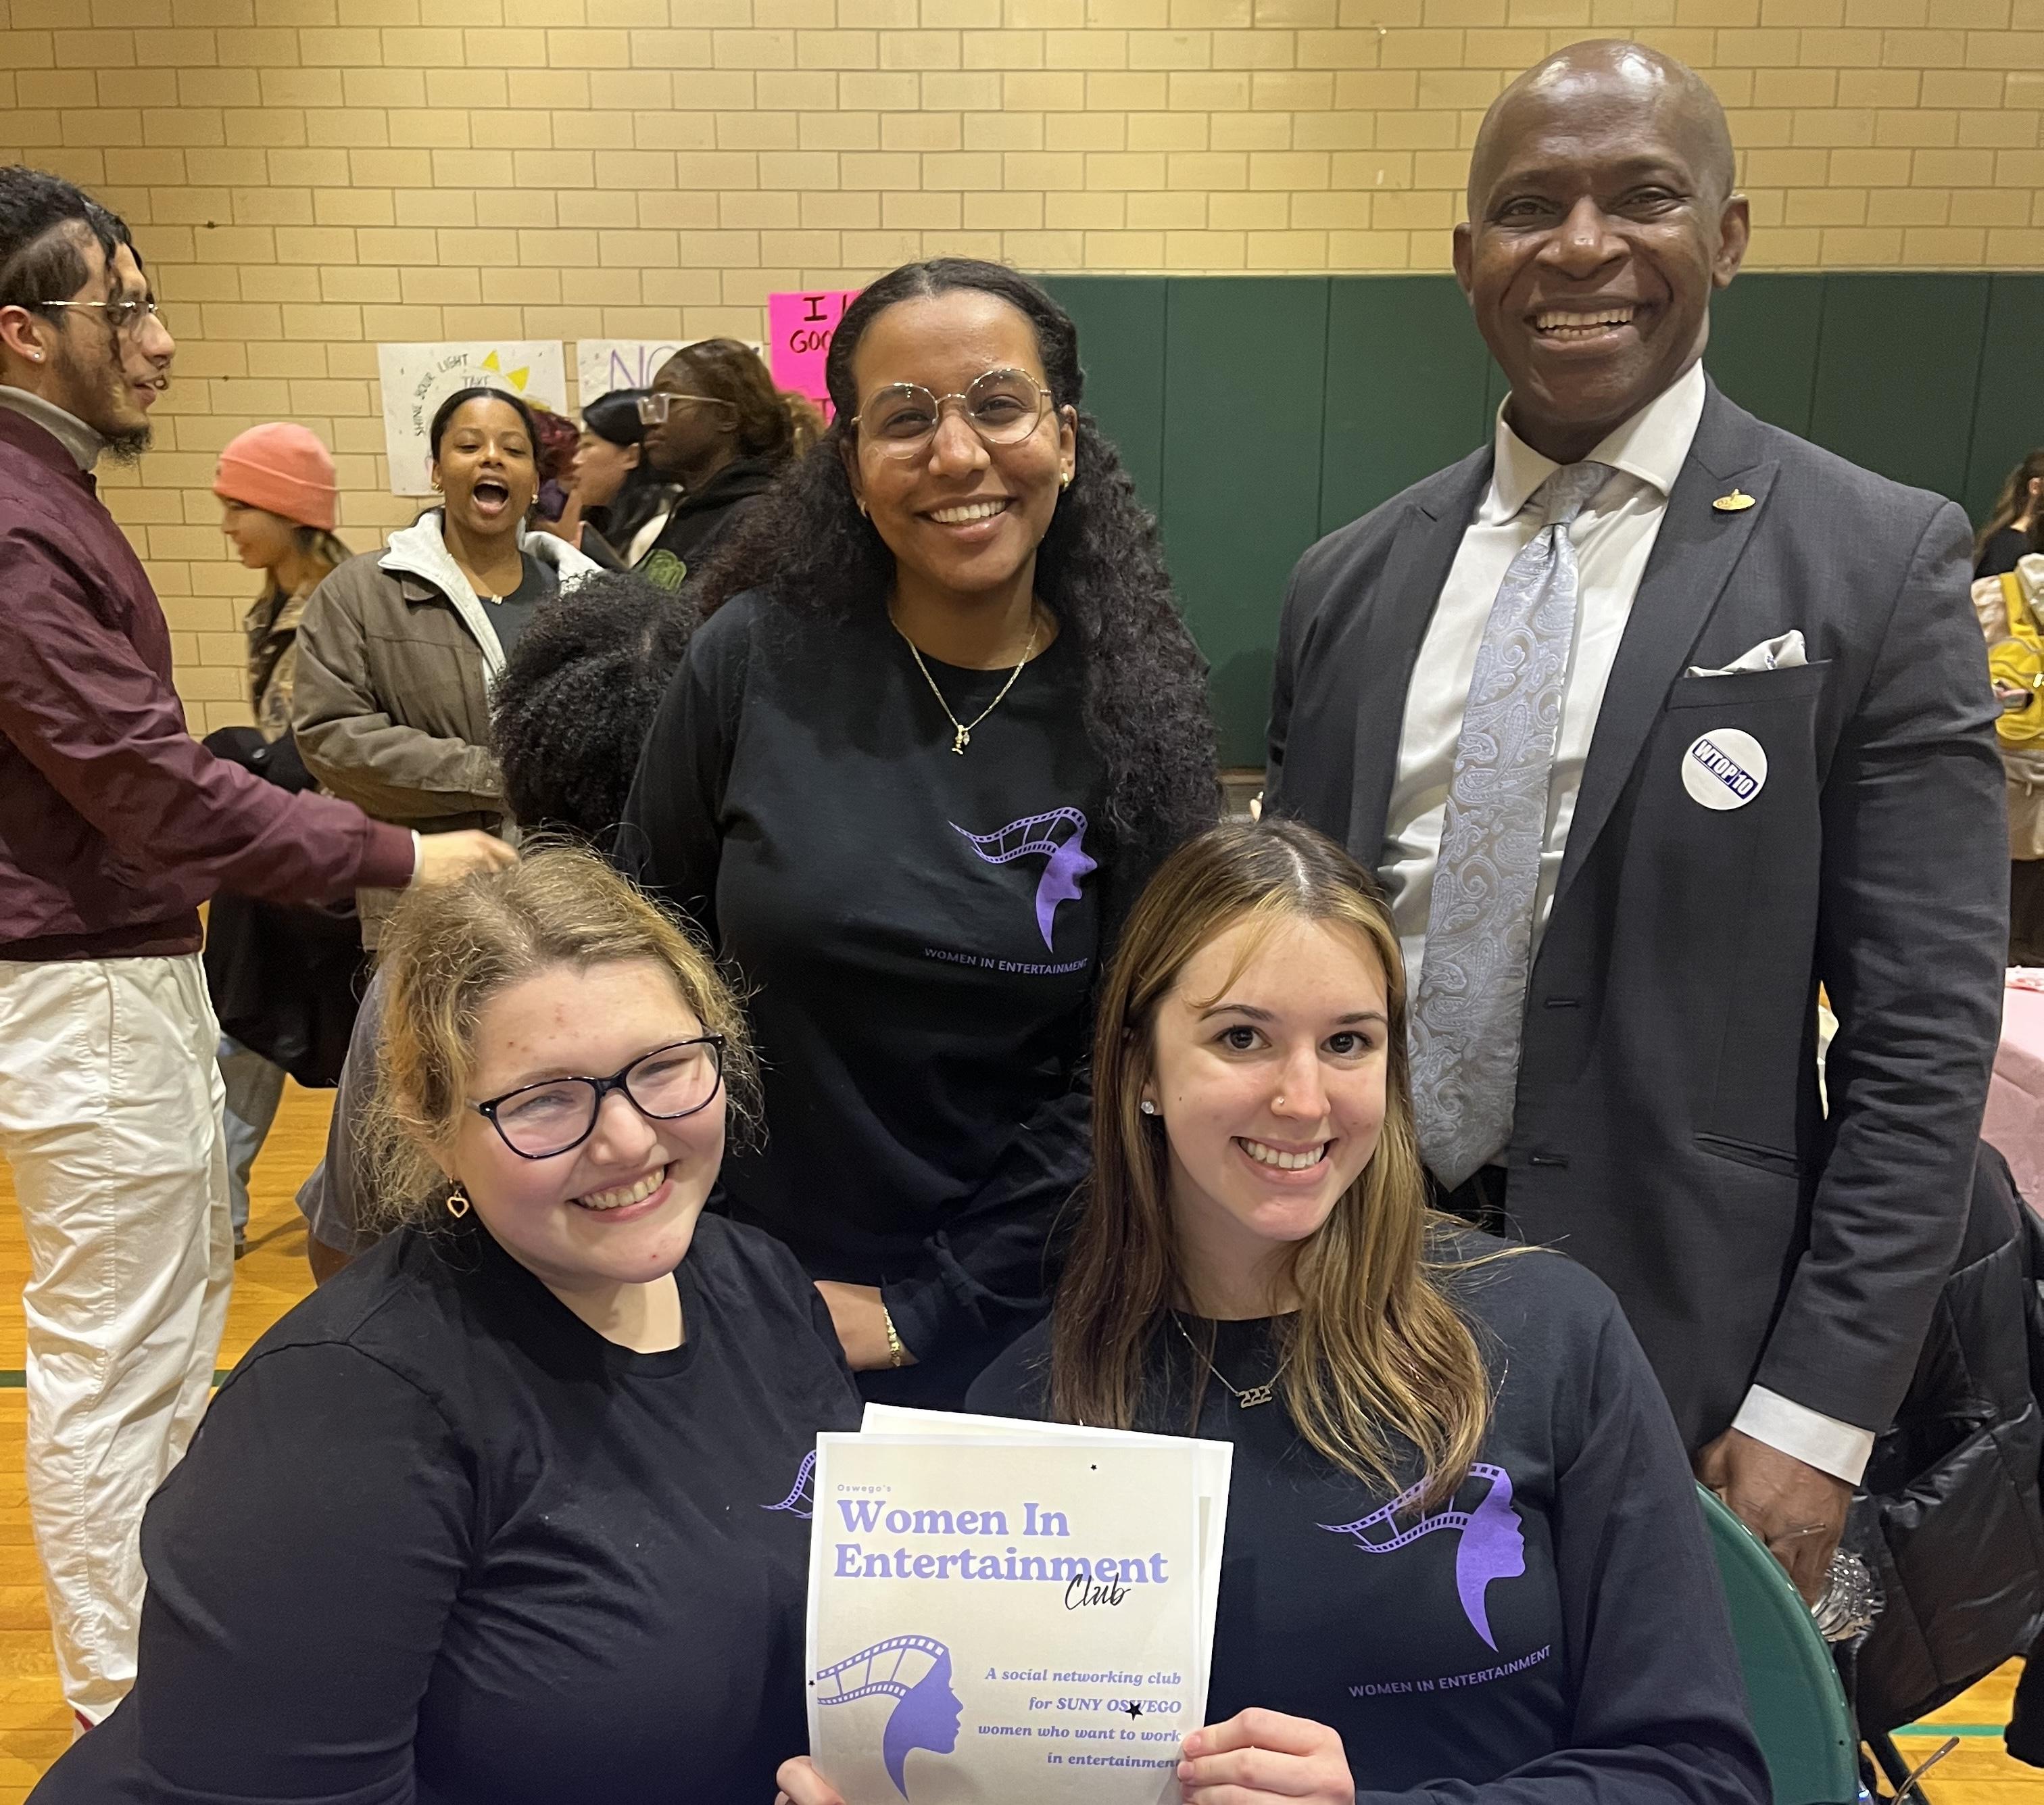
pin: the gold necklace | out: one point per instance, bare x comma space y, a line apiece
962, 737
1246, 1400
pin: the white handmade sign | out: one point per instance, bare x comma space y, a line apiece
602, 364
416, 377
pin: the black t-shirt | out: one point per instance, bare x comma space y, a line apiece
513, 612
1556, 1636
438, 1540
919, 931
2005, 549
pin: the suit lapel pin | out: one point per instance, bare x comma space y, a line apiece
1735, 502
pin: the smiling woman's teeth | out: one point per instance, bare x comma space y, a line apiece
1264, 1155
630, 1194
971, 510
1558, 324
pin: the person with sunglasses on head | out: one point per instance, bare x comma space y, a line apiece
115, 826
717, 428
398, 648
940, 721
513, 1510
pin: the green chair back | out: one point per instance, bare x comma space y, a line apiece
1800, 1712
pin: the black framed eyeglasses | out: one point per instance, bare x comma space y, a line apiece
123, 316
537, 1121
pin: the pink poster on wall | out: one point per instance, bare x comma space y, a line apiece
798, 333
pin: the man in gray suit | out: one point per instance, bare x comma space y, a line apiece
1653, 718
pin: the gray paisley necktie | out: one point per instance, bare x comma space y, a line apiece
1468, 1014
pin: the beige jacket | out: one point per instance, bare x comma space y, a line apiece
2023, 764
390, 699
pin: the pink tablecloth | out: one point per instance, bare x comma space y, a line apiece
2014, 1122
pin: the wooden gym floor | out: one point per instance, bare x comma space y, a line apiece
34, 1726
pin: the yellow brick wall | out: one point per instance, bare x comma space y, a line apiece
311, 176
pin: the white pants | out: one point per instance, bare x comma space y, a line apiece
110, 1116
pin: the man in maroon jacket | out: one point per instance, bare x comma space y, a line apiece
114, 826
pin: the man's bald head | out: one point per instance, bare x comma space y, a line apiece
1603, 74
1601, 219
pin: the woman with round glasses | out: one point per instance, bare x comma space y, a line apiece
715, 424
514, 1509
941, 724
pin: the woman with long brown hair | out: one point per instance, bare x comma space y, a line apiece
1464, 1556
2009, 533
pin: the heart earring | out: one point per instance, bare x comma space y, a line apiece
457, 1203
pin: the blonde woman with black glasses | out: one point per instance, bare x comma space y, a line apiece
513, 1509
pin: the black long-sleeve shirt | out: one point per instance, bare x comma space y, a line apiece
919, 933
437, 1542
1557, 1636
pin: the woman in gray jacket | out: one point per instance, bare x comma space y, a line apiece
398, 648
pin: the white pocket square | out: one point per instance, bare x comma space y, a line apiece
1785, 652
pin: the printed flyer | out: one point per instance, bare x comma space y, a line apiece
1006, 1619
1213, 1462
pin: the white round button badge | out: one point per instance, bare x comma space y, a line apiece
1725, 768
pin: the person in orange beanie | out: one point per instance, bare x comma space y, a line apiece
282, 975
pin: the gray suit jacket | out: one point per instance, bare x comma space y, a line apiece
1669, 1133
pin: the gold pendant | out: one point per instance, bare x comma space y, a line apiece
1256, 1394
963, 738
1736, 502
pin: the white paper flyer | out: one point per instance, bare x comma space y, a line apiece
1003, 1621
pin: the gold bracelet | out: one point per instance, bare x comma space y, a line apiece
896, 1352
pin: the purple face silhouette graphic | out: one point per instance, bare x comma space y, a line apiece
1492, 1545
915, 1671
1058, 837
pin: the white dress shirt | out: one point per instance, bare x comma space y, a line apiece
1613, 537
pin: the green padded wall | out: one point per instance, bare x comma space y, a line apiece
2008, 414
1257, 414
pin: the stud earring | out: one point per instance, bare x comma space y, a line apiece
1147, 1107
1065, 481
457, 1203
864, 514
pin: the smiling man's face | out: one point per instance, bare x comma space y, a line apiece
1601, 219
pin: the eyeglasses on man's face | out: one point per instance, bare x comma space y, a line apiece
655, 408
123, 316
1003, 406
538, 1121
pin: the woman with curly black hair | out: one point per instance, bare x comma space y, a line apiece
941, 721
